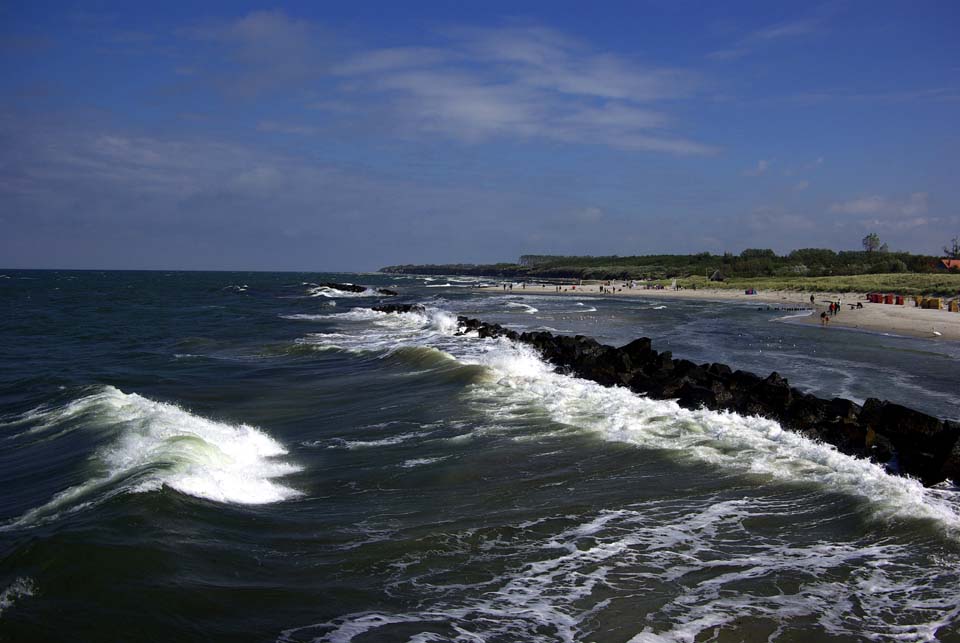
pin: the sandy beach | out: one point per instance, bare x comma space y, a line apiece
877, 318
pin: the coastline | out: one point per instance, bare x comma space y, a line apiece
905, 320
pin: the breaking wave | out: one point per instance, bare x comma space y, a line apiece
149, 445
516, 377
527, 308
328, 291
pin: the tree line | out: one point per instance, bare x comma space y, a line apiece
753, 262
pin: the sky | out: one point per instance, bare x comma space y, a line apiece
348, 136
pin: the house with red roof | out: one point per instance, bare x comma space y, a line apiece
949, 265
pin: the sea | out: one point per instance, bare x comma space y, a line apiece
215, 456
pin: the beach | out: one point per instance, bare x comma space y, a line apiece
906, 320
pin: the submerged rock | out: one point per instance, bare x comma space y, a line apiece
355, 288
400, 308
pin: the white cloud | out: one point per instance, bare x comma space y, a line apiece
544, 58
761, 168
385, 60
265, 50
800, 186
592, 214
766, 36
459, 106
526, 83
776, 218
914, 205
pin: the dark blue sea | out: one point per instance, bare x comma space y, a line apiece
252, 457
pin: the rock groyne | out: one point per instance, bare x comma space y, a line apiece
905, 440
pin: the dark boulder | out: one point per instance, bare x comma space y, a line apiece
400, 308
950, 469
355, 288
343, 287
923, 444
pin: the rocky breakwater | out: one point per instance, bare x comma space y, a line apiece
907, 441
355, 288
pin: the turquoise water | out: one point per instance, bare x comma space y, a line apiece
246, 457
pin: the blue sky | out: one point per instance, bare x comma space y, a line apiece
322, 136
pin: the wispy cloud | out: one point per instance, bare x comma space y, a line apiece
914, 205
97, 194
760, 169
264, 50
933, 94
590, 215
766, 36
516, 82
386, 60
526, 82
778, 218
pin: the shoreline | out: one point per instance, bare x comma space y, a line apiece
889, 319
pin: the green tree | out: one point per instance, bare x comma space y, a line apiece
953, 250
871, 242
758, 253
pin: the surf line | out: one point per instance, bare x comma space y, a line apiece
906, 441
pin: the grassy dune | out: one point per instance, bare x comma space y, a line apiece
897, 283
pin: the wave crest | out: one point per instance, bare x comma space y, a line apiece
153, 444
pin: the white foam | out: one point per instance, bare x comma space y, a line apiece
155, 444
328, 291
805, 313
388, 332
343, 443
22, 587
527, 307
305, 317
419, 462
688, 558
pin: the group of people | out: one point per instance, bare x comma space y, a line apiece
833, 308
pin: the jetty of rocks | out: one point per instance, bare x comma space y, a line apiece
907, 441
